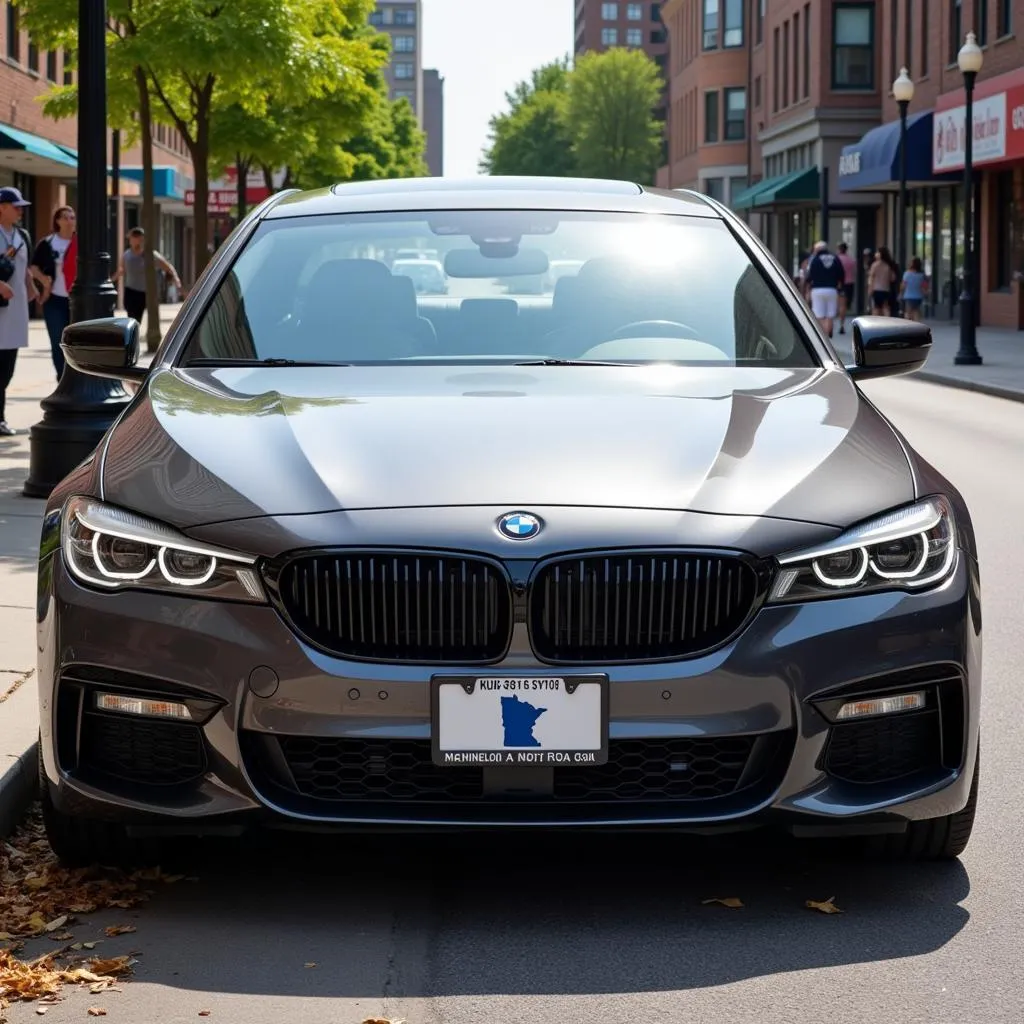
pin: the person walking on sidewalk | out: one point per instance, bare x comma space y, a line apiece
17, 289
825, 280
849, 283
132, 268
54, 266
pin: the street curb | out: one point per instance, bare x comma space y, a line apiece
993, 390
19, 786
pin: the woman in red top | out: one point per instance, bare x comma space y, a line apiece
54, 265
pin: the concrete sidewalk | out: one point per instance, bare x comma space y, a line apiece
20, 517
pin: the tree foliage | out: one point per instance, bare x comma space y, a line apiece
595, 119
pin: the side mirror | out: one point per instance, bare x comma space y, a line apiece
104, 348
885, 346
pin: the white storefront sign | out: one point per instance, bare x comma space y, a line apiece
948, 136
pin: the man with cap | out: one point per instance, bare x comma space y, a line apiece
17, 289
825, 279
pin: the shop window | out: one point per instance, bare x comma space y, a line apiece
1005, 223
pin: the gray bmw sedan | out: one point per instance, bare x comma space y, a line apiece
628, 549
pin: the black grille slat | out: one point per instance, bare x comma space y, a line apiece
400, 607
886, 748
635, 607
345, 770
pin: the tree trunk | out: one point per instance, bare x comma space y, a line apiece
242, 170
149, 221
200, 153
268, 177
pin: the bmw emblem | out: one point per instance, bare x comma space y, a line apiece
519, 526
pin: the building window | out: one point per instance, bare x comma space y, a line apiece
403, 69
376, 18
51, 65
656, 12
33, 55
981, 21
785, 64
924, 38
69, 75
894, 35
658, 36
1004, 229
736, 186
710, 24
610, 12
908, 40
757, 92
733, 34
796, 56
404, 44
735, 114
405, 94
807, 50
711, 117
609, 37
1004, 18
13, 33
634, 12
956, 28
759, 22
853, 51
775, 71
406, 17
634, 37
715, 188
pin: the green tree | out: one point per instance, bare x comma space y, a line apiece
532, 136
53, 24
612, 97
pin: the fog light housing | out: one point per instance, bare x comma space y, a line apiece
874, 706
145, 706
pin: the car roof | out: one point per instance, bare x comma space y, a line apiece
491, 192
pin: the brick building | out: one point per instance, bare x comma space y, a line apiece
601, 25
709, 72
925, 37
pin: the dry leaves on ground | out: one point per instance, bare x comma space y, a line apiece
727, 901
825, 906
43, 978
383, 1020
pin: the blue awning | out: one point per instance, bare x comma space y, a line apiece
168, 182
873, 164
35, 147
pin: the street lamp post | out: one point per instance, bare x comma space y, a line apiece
82, 408
970, 59
903, 91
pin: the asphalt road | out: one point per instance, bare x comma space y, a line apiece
614, 932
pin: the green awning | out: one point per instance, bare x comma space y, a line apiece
36, 145
791, 189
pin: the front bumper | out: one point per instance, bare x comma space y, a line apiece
761, 690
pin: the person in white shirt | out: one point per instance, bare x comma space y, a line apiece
54, 267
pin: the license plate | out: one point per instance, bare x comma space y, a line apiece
520, 720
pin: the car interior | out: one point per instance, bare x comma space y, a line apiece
613, 309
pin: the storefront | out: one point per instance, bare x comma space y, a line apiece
934, 228
998, 159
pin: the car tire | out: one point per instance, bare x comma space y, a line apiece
942, 838
85, 842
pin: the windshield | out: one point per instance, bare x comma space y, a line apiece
505, 286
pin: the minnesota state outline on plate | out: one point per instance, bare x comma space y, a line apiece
518, 717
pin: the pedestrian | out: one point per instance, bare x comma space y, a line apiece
825, 280
54, 266
17, 289
913, 289
881, 278
849, 283
132, 267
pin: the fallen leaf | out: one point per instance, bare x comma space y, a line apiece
111, 965
204, 1013
119, 929
97, 1011
91, 945
57, 922
312, 963
383, 1020
62, 936
825, 906
41, 1010
728, 901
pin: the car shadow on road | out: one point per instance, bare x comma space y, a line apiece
418, 917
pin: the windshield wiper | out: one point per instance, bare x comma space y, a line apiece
572, 362
206, 361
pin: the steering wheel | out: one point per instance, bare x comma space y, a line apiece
654, 329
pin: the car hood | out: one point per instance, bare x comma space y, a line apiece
201, 446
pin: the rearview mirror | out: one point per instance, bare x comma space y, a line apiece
472, 263
885, 346
104, 348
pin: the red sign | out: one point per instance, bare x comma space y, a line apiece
998, 124
216, 198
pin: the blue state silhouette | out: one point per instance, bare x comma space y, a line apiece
518, 718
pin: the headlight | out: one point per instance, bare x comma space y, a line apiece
117, 550
909, 548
